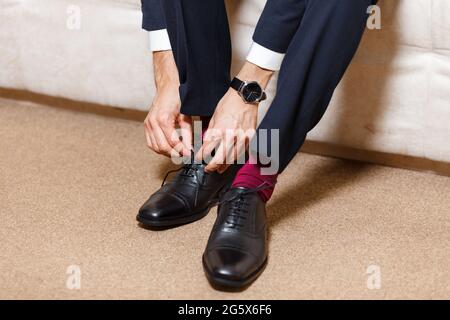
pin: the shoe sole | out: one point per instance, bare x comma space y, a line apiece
220, 282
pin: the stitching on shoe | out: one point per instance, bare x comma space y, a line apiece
231, 247
179, 197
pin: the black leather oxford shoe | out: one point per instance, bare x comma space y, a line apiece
236, 252
187, 197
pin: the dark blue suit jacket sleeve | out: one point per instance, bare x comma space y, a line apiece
278, 23
153, 15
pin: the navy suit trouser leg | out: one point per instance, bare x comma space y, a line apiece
200, 40
317, 56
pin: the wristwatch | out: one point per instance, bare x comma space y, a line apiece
250, 92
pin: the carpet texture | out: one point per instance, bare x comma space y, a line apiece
71, 184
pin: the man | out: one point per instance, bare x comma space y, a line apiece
311, 43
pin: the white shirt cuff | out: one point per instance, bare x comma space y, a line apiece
265, 58
159, 40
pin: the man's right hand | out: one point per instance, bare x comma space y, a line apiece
164, 115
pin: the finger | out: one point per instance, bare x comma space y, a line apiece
148, 129
226, 163
147, 136
211, 133
214, 137
230, 154
206, 150
185, 123
154, 144
163, 145
223, 168
153, 139
241, 146
217, 160
220, 158
170, 133
176, 151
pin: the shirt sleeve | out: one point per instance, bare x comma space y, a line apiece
159, 40
264, 57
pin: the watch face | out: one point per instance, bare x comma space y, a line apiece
252, 92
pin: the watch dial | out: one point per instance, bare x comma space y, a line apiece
252, 92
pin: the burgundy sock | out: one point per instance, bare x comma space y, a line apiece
250, 176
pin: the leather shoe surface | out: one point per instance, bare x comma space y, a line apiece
187, 197
236, 252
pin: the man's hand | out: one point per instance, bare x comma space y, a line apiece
227, 128
164, 115
233, 123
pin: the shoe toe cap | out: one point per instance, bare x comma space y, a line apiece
230, 263
161, 207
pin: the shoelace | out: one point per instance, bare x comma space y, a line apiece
188, 170
239, 210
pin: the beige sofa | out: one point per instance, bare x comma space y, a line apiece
395, 97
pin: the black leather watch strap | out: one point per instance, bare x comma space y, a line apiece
236, 84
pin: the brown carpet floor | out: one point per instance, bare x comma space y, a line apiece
71, 184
